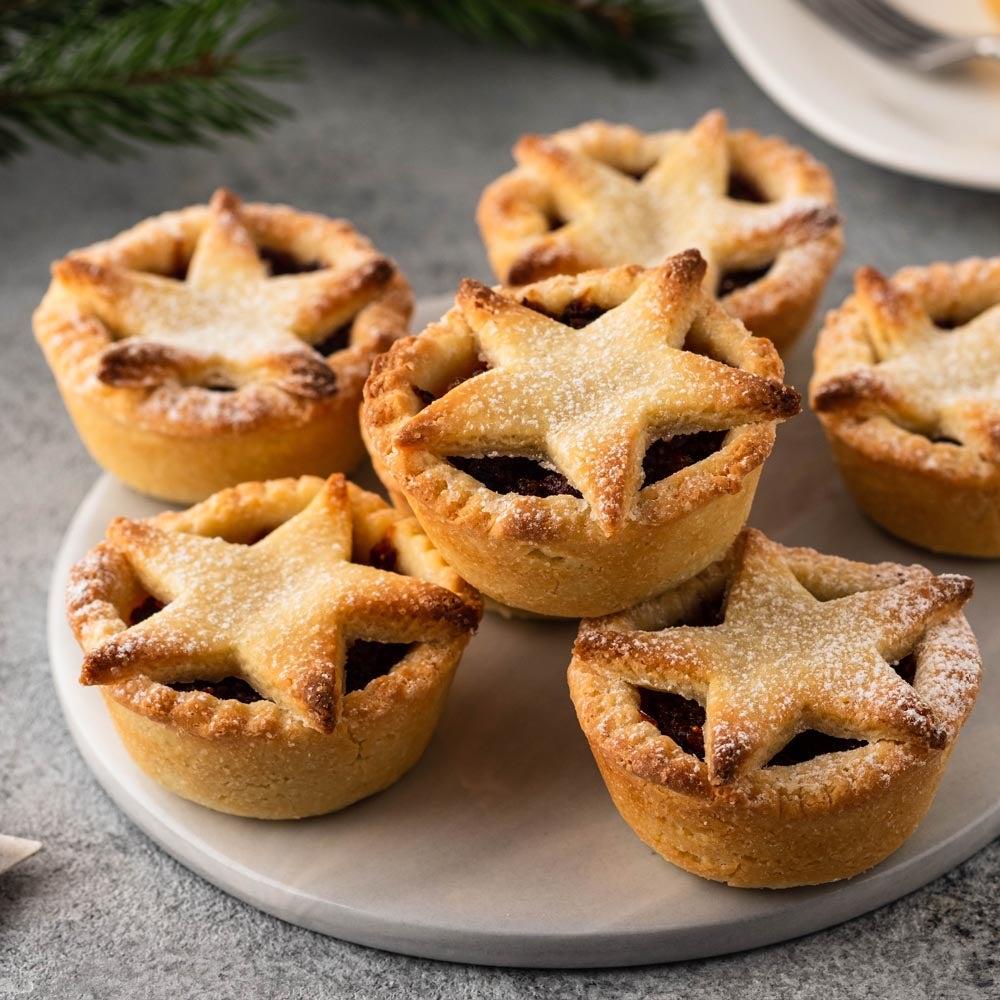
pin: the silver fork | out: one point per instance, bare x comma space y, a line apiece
885, 30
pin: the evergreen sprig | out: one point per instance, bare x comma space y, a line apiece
104, 74
619, 33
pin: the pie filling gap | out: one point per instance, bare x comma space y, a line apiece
576, 314
683, 720
281, 262
475, 367
337, 340
366, 659
739, 187
520, 474
731, 281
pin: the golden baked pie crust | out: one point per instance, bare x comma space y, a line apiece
261, 759
587, 177
730, 817
888, 380
135, 351
579, 399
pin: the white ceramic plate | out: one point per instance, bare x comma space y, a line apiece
944, 127
502, 847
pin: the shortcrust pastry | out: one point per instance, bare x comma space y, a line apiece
579, 444
784, 717
761, 211
907, 385
282, 649
221, 344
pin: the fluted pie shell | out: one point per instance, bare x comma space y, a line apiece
761, 211
783, 645
907, 386
221, 344
268, 588
584, 376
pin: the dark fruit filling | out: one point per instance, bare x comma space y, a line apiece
732, 280
147, 609
669, 455
383, 556
228, 689
906, 668
517, 474
427, 397
741, 188
514, 474
680, 718
555, 220
683, 720
335, 341
279, 262
931, 436
805, 746
367, 660
578, 314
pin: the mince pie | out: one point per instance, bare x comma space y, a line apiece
221, 344
784, 717
579, 444
761, 212
282, 649
907, 385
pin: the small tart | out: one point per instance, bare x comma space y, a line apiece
783, 718
579, 444
907, 386
221, 344
282, 649
762, 213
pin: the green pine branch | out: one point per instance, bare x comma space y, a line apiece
113, 73
104, 75
620, 33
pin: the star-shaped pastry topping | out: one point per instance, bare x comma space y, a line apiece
590, 401
279, 614
610, 218
944, 383
783, 662
228, 321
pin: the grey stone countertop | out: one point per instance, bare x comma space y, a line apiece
398, 128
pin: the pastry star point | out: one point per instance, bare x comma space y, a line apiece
279, 614
825, 665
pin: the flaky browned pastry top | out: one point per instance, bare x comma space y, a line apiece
919, 353
185, 317
602, 195
805, 642
660, 359
278, 613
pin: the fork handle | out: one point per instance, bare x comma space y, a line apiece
959, 50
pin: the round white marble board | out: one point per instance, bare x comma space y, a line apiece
502, 846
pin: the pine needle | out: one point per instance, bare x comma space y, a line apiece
111, 74
620, 33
